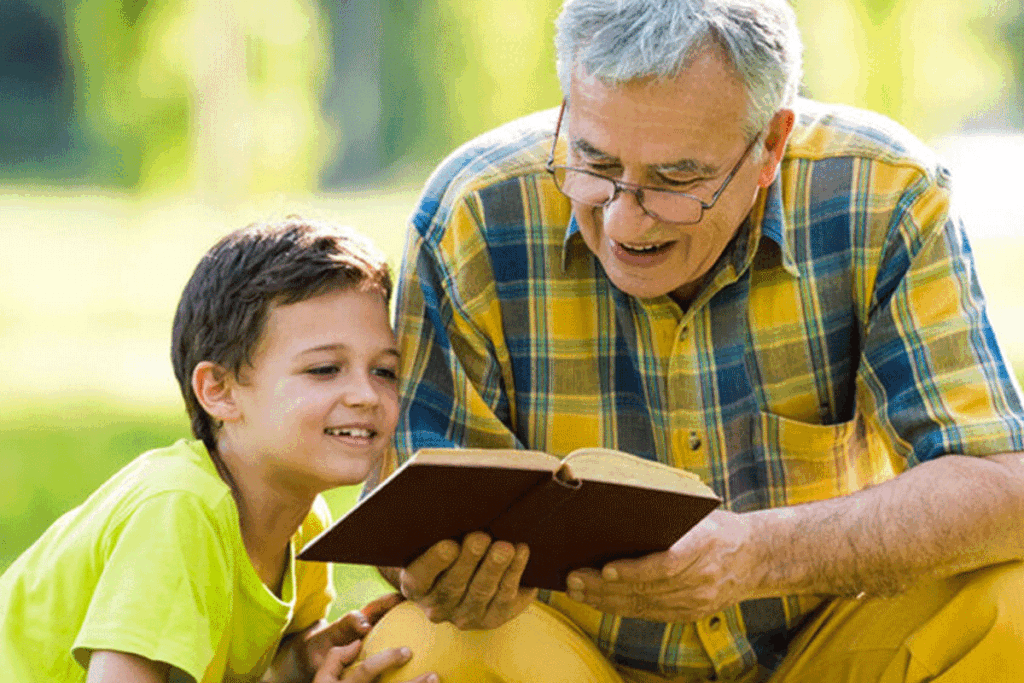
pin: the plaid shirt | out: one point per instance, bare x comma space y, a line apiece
842, 337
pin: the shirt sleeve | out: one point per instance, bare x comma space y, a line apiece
938, 377
314, 588
455, 367
166, 588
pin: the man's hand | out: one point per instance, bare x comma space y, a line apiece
713, 566
475, 586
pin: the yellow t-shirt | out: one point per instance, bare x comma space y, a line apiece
153, 564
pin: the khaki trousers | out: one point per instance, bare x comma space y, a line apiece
965, 629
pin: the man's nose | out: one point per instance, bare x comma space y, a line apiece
623, 218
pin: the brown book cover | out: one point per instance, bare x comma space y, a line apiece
591, 507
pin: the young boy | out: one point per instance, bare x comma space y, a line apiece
182, 565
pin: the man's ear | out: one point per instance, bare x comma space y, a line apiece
214, 389
775, 145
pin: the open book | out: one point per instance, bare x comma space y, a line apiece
591, 507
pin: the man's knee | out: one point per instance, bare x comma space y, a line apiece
979, 635
967, 628
538, 646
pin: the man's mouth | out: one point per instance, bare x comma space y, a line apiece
645, 249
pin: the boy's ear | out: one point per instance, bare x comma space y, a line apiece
213, 387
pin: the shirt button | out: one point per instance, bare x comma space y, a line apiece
694, 441
715, 623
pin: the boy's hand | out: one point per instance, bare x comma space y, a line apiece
346, 631
474, 586
367, 671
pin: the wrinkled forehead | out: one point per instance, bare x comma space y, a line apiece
700, 113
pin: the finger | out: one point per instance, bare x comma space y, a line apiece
347, 628
668, 607
509, 590
335, 662
418, 578
590, 587
581, 582
656, 572
483, 586
429, 677
510, 600
378, 607
375, 665
649, 570
450, 589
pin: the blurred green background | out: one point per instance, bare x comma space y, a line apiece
135, 133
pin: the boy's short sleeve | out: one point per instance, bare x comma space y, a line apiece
166, 586
314, 586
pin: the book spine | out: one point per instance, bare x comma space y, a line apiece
534, 508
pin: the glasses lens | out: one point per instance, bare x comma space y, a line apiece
586, 188
672, 207
583, 187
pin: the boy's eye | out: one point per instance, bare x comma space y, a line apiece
386, 373
324, 370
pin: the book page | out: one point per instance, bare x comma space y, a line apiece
605, 464
487, 457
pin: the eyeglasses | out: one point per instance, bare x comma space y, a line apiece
669, 206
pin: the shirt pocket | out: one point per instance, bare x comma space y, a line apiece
807, 461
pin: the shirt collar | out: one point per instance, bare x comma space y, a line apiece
572, 240
775, 227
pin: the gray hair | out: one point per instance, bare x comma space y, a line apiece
618, 41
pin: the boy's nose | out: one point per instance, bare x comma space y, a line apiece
361, 391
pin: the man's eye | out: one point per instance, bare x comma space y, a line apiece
604, 169
680, 184
324, 370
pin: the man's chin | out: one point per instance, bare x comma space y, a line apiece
641, 290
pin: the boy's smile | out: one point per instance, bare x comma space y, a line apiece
319, 403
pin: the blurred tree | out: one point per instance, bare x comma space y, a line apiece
36, 89
220, 96
356, 99
234, 97
133, 92
933, 65
415, 78
1013, 33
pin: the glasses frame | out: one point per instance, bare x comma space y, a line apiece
638, 190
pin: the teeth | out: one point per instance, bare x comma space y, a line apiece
643, 247
350, 431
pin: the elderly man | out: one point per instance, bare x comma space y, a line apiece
690, 263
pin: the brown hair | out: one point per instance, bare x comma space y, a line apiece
226, 302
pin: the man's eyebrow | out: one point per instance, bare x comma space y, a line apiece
588, 150
688, 167
684, 166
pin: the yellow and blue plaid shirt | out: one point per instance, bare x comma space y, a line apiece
841, 338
